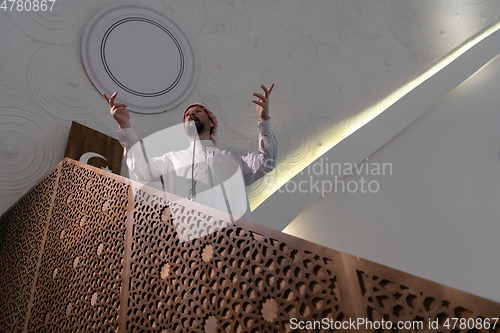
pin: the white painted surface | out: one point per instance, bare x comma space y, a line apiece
141, 54
368, 139
437, 215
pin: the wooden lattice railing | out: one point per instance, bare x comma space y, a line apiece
89, 251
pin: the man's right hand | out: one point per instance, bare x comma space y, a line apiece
118, 111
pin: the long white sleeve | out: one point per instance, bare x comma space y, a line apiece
257, 164
146, 169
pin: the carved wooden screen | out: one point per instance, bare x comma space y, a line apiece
379, 292
106, 256
22, 233
89, 251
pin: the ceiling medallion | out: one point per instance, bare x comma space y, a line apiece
141, 54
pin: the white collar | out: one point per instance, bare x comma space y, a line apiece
204, 143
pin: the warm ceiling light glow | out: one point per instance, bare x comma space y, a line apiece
368, 114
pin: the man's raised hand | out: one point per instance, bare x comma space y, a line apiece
263, 103
118, 111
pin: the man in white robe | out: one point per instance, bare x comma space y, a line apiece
203, 173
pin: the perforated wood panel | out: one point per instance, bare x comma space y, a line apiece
384, 293
22, 231
89, 251
228, 278
79, 279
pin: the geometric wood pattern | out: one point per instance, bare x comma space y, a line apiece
86, 250
22, 231
237, 279
382, 292
82, 255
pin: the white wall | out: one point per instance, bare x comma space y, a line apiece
437, 214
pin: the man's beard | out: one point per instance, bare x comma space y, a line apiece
195, 130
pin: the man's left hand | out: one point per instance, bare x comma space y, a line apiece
263, 103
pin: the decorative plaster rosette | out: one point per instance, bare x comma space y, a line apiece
13, 91
125, 48
64, 24
327, 131
304, 58
226, 19
363, 18
429, 11
15, 50
444, 35
267, 44
390, 65
29, 147
191, 15
61, 86
319, 21
239, 113
226, 67
302, 143
406, 25
286, 80
343, 87
470, 17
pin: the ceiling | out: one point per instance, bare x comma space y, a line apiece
334, 64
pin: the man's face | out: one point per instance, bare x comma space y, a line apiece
197, 121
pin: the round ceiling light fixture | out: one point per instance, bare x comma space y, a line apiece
142, 55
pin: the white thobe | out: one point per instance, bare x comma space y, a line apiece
220, 174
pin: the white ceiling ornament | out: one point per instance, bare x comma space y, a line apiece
141, 54
363, 18
304, 57
226, 19
28, 147
240, 115
226, 67
328, 27
328, 132
59, 84
61, 25
406, 25
301, 148
191, 15
15, 51
267, 44
446, 36
429, 10
287, 83
391, 65
343, 88
15, 91
292, 110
